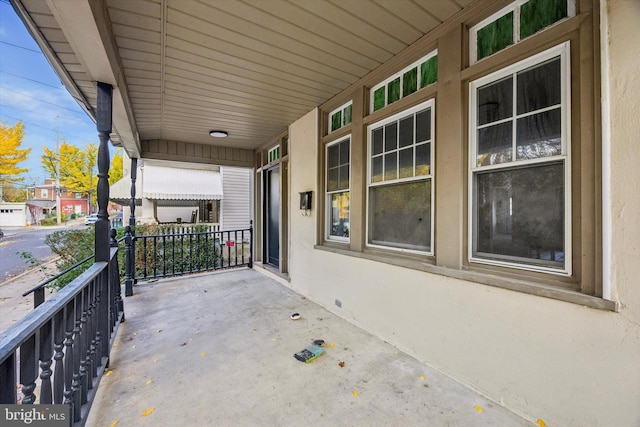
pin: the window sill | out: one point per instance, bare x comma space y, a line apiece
426, 264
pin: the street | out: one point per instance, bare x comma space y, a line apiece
19, 240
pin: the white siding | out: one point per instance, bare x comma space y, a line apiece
236, 200
14, 214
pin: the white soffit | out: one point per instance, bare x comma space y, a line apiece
168, 183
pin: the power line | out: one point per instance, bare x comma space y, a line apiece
32, 80
21, 47
43, 115
42, 127
41, 100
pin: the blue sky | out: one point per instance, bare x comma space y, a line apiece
31, 92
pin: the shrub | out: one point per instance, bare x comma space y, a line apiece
72, 246
48, 221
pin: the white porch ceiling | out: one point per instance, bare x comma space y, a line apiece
251, 67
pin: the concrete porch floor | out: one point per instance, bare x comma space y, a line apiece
217, 350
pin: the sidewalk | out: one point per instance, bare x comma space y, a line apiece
13, 305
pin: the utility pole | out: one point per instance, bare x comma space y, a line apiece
58, 208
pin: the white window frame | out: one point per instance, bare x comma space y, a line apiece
331, 113
395, 76
44, 193
328, 193
431, 176
515, 8
561, 50
274, 154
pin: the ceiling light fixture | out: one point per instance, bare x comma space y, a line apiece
218, 133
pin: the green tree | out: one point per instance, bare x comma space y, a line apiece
11, 155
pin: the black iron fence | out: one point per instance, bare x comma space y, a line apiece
62, 347
185, 251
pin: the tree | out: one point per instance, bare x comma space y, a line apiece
13, 193
77, 167
116, 172
10, 153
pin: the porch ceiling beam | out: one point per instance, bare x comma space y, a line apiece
86, 26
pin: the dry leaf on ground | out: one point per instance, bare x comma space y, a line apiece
148, 412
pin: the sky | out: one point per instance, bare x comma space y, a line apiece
31, 92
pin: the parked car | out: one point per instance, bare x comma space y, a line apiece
91, 219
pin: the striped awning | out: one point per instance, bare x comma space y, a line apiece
170, 183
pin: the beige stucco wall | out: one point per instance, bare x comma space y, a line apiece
566, 364
624, 105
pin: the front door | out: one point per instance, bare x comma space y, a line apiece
272, 217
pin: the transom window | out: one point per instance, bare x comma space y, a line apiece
400, 180
416, 76
274, 154
516, 22
340, 117
519, 161
338, 194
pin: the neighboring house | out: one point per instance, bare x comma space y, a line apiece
70, 202
471, 167
168, 192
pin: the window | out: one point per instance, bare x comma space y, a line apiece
340, 117
516, 22
44, 193
520, 169
338, 195
416, 76
400, 196
274, 154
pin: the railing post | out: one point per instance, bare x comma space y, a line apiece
38, 297
250, 243
129, 262
46, 360
28, 373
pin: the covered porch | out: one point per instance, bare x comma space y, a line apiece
217, 349
453, 176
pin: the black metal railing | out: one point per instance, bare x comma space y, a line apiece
185, 252
38, 290
63, 345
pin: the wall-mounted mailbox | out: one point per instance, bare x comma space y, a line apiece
305, 200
